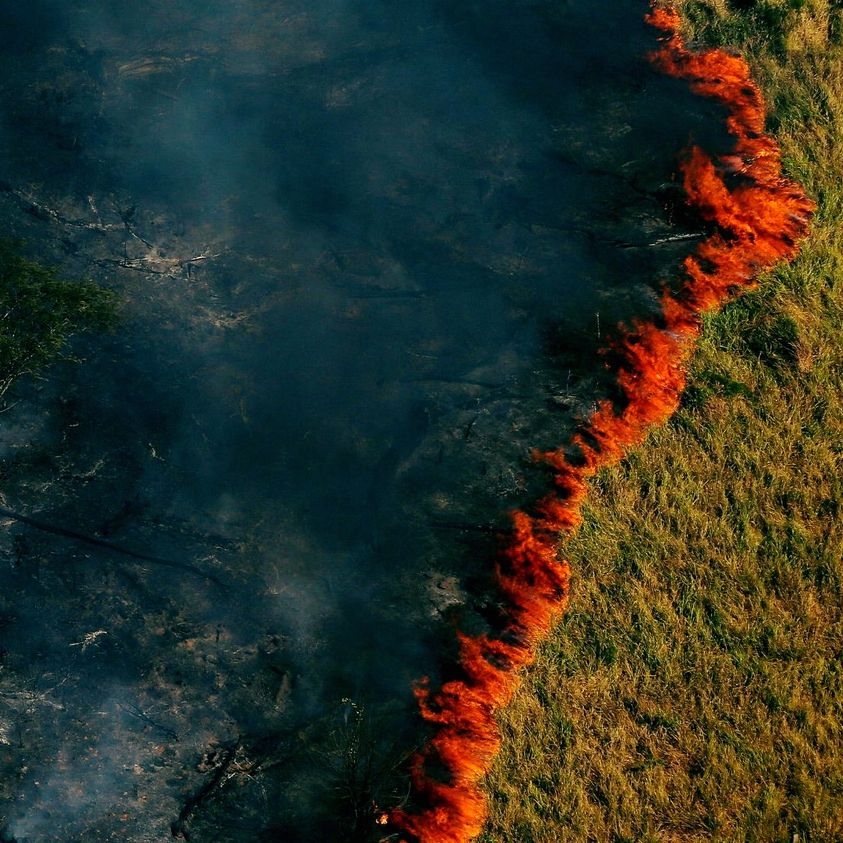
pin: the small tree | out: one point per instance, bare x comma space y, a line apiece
40, 312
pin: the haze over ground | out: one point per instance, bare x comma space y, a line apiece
368, 253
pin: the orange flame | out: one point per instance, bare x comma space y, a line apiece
759, 218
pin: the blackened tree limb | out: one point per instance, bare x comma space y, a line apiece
178, 827
44, 527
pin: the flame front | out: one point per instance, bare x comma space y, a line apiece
758, 218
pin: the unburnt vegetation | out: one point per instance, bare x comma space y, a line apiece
40, 313
693, 691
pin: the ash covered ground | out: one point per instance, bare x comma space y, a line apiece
367, 253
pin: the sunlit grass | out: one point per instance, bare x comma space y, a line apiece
693, 691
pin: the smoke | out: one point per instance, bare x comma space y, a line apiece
80, 789
759, 220
367, 251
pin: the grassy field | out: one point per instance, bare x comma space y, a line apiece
695, 689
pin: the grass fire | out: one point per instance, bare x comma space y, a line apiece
759, 218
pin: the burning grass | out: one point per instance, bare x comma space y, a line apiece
758, 218
693, 690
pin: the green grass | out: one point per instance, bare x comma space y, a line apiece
695, 689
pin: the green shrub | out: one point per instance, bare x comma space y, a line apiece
41, 312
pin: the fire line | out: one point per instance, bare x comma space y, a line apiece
758, 217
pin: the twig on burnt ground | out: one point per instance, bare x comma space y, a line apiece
178, 828
44, 527
140, 714
464, 526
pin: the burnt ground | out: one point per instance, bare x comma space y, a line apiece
366, 256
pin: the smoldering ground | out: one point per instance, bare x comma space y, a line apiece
367, 254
